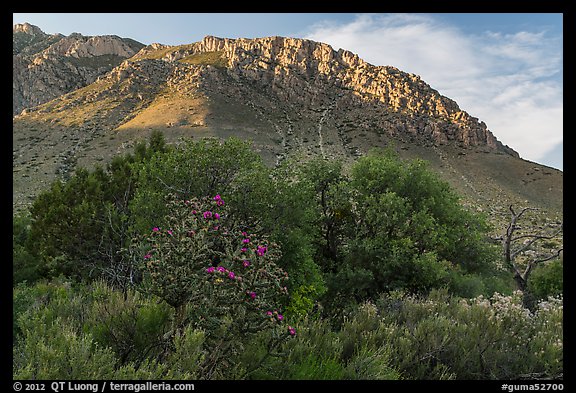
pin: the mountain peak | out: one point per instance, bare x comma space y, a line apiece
28, 29
47, 66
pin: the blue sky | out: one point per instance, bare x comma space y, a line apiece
506, 69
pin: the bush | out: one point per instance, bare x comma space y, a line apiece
132, 325
25, 265
395, 225
217, 274
481, 338
547, 280
78, 227
53, 350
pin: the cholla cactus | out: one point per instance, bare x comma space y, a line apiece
217, 274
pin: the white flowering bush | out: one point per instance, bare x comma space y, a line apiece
479, 338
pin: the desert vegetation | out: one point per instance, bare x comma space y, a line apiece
197, 261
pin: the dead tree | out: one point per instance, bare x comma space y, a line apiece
524, 245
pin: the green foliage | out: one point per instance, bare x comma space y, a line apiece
78, 227
25, 266
192, 169
394, 225
97, 332
132, 326
547, 279
482, 338
53, 350
408, 201
313, 367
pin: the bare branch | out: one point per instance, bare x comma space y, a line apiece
170, 187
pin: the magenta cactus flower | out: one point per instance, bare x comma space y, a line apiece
261, 250
216, 216
210, 269
155, 229
207, 214
246, 241
231, 275
252, 295
148, 256
280, 317
219, 200
246, 263
291, 330
220, 269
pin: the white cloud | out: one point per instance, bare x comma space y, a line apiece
510, 81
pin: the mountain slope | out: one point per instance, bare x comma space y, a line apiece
288, 96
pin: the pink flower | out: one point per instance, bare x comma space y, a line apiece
155, 229
219, 200
261, 250
243, 249
246, 263
252, 295
207, 214
269, 313
246, 241
169, 232
291, 330
280, 317
220, 269
216, 216
210, 269
231, 275
194, 212
148, 256
244, 234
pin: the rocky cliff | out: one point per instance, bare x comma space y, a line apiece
302, 72
47, 66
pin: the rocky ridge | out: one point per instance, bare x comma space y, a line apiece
299, 71
47, 66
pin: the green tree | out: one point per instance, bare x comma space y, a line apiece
25, 266
78, 227
407, 230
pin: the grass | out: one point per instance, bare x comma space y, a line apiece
160, 53
216, 59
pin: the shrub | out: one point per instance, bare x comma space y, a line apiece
132, 325
52, 350
480, 338
217, 274
25, 265
547, 280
